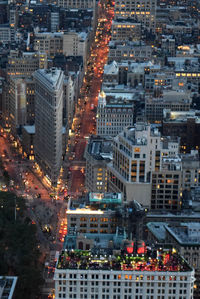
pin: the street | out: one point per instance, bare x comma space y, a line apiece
86, 110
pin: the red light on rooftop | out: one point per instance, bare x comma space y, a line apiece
129, 246
141, 248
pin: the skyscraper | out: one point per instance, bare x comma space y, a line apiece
48, 121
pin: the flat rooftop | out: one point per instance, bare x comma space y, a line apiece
105, 197
100, 148
163, 261
186, 234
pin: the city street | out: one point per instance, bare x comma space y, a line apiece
89, 95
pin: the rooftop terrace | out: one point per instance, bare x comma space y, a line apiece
155, 261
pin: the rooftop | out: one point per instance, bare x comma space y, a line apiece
7, 286
180, 116
52, 76
186, 233
100, 148
105, 197
29, 129
158, 229
85, 211
152, 261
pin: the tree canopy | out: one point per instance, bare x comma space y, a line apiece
19, 253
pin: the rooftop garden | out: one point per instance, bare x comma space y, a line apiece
85, 260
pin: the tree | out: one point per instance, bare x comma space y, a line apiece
19, 253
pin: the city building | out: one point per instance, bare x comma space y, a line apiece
17, 104
75, 240
98, 154
7, 286
137, 152
28, 140
76, 4
184, 124
182, 236
144, 12
168, 45
129, 50
190, 170
5, 36
87, 220
170, 99
76, 44
186, 239
166, 193
26, 63
125, 30
87, 274
49, 43
48, 122
114, 113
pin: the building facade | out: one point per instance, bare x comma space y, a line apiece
48, 122
98, 154
113, 115
137, 152
143, 11
96, 278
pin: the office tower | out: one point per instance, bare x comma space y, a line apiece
48, 121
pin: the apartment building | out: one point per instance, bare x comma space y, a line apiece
137, 152
98, 154
48, 122
100, 276
143, 11
113, 114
